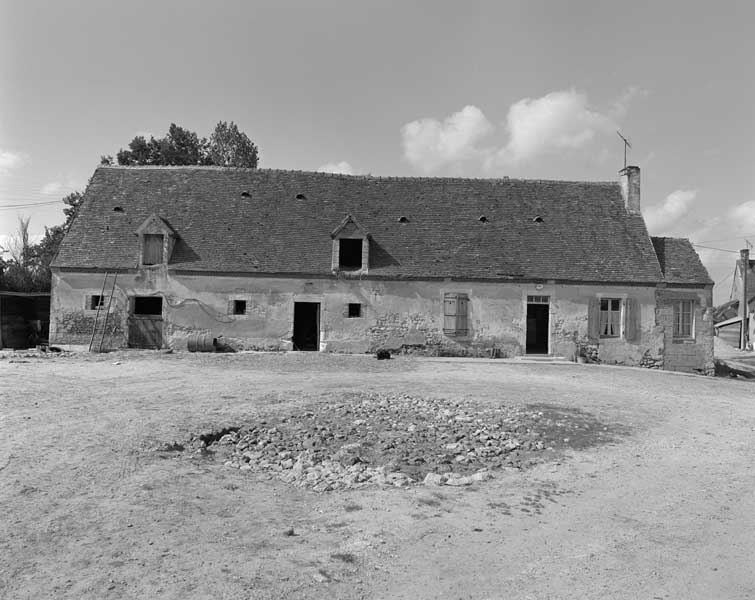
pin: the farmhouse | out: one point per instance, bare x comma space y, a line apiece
271, 259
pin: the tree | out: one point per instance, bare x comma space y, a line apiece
230, 147
227, 147
28, 268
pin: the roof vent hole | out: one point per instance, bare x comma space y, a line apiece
117, 209
483, 219
301, 197
537, 219
403, 220
245, 194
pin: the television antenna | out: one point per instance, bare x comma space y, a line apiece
626, 145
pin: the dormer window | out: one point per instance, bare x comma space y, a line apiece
156, 241
351, 247
350, 254
153, 249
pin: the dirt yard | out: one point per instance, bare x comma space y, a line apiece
607, 482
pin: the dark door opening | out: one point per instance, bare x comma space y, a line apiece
145, 323
306, 326
537, 328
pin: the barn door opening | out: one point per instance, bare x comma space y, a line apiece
145, 322
306, 326
537, 324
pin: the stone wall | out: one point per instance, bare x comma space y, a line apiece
693, 355
402, 316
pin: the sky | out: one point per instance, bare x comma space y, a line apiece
528, 89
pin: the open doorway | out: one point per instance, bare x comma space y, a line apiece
306, 326
537, 324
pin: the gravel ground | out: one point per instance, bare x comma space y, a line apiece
99, 502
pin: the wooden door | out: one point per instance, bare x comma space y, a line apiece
145, 331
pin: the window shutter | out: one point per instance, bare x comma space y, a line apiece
632, 325
593, 319
449, 313
462, 306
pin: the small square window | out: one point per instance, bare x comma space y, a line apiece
96, 302
355, 310
239, 307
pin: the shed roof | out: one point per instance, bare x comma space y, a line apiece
280, 222
679, 261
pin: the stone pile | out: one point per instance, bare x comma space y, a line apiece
368, 439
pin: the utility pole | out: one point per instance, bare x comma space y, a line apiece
744, 309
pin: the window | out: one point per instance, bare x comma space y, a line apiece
355, 310
350, 254
683, 319
153, 249
455, 308
239, 307
96, 302
148, 305
610, 317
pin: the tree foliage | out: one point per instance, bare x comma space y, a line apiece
227, 147
28, 267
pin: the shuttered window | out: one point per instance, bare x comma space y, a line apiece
153, 249
683, 319
606, 316
455, 314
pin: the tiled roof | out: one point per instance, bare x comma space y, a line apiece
679, 261
283, 224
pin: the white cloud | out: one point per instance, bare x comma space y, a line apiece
337, 167
430, 144
743, 215
11, 160
61, 188
561, 121
556, 122
662, 218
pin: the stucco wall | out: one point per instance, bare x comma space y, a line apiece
395, 314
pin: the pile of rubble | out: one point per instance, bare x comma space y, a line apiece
367, 439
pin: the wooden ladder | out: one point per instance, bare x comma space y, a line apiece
100, 323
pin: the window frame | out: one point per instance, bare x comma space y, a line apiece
458, 302
153, 236
350, 241
678, 332
608, 322
91, 305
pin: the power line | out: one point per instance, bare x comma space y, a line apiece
30, 204
719, 249
736, 237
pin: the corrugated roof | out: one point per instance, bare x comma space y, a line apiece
283, 224
679, 261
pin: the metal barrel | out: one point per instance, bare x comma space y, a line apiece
202, 342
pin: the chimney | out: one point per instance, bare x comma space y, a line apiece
629, 179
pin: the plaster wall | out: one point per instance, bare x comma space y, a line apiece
395, 314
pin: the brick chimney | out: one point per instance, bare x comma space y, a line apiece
629, 179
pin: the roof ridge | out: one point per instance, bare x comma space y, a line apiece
504, 178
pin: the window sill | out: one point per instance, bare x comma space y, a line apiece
685, 340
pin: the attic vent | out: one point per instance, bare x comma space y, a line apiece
537, 219
117, 209
301, 197
245, 194
483, 219
403, 220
